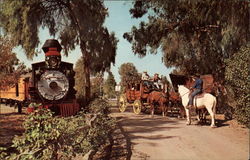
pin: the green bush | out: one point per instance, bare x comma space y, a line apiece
99, 106
3, 153
49, 137
103, 124
237, 78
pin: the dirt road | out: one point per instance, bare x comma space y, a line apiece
169, 138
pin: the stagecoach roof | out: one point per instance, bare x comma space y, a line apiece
208, 81
178, 80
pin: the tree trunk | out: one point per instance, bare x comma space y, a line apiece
86, 60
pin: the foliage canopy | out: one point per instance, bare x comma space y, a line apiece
192, 34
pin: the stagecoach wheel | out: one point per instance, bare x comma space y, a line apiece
122, 104
137, 106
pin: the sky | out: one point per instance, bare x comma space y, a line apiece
118, 21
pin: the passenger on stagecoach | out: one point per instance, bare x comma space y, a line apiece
146, 79
157, 81
196, 89
145, 76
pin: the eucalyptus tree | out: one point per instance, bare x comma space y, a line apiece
79, 81
74, 22
109, 86
195, 36
128, 74
96, 82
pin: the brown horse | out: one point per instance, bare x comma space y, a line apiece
160, 98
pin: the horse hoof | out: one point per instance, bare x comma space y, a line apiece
188, 123
213, 126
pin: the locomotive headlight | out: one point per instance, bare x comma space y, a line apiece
53, 85
53, 61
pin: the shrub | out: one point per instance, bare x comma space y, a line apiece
3, 153
99, 106
237, 78
49, 137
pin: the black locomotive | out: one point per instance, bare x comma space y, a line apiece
52, 81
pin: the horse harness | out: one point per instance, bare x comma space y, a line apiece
161, 95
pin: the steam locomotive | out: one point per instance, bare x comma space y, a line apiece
50, 83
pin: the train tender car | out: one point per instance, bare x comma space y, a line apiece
52, 82
17, 94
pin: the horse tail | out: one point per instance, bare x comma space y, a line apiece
214, 105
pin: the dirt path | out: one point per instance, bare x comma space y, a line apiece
10, 125
170, 138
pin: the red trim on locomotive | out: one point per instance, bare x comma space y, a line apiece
65, 109
53, 52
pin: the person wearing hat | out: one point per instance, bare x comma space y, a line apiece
145, 76
196, 89
156, 81
146, 79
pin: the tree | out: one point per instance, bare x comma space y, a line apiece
97, 85
195, 36
109, 86
79, 82
128, 74
237, 76
10, 66
74, 22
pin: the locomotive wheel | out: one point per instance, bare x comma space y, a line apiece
137, 106
122, 103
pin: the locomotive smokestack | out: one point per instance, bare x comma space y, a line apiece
51, 43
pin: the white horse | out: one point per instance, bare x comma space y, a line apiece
207, 101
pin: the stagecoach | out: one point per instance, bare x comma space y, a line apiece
136, 95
